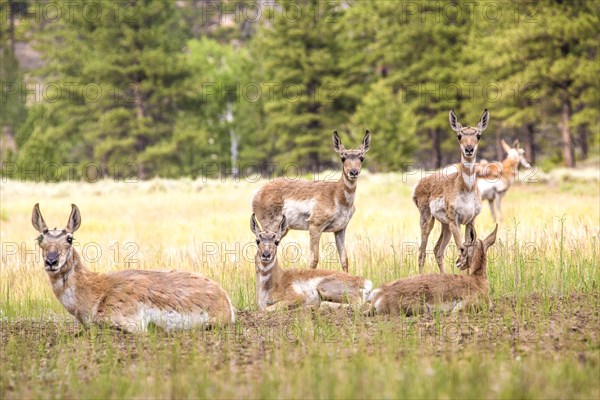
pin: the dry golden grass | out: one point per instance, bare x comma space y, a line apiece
543, 268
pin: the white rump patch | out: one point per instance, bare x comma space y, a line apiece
367, 289
298, 212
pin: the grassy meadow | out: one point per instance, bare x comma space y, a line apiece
540, 340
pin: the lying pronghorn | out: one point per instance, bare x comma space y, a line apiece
440, 292
453, 199
128, 300
315, 206
495, 179
280, 289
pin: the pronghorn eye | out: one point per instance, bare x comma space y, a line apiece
362, 159
257, 241
459, 136
462, 249
70, 239
478, 136
40, 239
343, 159
277, 243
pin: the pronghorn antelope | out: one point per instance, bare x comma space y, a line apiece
495, 179
281, 289
315, 206
440, 292
453, 199
127, 300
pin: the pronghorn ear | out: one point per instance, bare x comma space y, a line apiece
37, 220
454, 124
483, 122
254, 227
491, 239
505, 146
283, 226
337, 142
366, 143
471, 234
516, 144
74, 219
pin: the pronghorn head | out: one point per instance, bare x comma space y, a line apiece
56, 244
467, 136
352, 160
267, 241
473, 252
515, 153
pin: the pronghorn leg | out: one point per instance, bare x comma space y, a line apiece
341, 248
286, 304
498, 198
492, 204
440, 246
472, 302
427, 222
335, 291
315, 238
332, 306
467, 226
455, 229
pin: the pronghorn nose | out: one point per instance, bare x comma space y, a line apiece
353, 172
469, 149
52, 260
266, 254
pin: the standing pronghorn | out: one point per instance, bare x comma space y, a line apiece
453, 199
315, 206
495, 179
281, 289
440, 292
129, 300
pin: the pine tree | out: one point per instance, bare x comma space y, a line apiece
414, 58
550, 76
119, 77
299, 58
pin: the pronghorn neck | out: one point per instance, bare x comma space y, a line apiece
73, 269
481, 271
347, 189
72, 285
468, 174
267, 279
509, 168
268, 275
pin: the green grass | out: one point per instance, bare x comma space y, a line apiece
540, 340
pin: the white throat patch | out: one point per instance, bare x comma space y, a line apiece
469, 179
